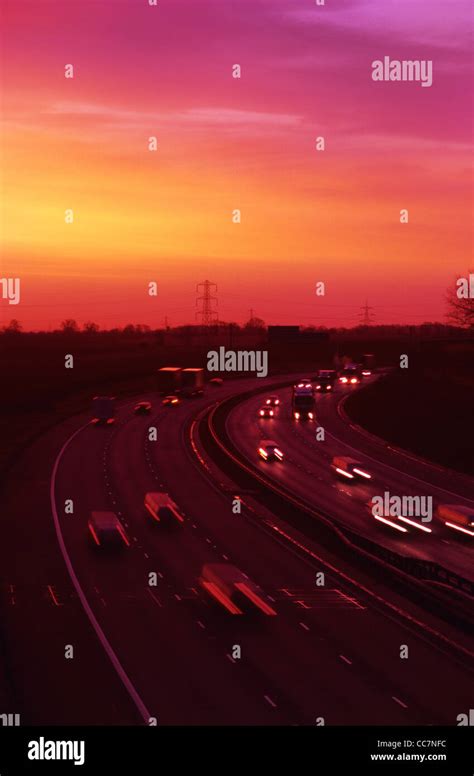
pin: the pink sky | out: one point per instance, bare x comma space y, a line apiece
228, 143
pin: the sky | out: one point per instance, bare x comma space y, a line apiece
224, 144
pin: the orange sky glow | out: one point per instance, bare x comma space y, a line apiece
226, 144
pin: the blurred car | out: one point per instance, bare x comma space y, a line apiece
106, 530
325, 380
350, 375
162, 508
349, 468
142, 408
456, 517
170, 400
233, 590
269, 450
216, 382
266, 412
104, 410
402, 523
273, 401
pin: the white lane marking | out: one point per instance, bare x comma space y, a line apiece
155, 598
303, 625
134, 695
53, 595
303, 604
400, 703
408, 618
201, 624
352, 600
269, 700
346, 660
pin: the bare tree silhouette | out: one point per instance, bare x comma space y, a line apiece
460, 308
90, 327
69, 325
14, 327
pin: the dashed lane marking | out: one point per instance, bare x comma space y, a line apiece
53, 595
269, 700
155, 598
400, 703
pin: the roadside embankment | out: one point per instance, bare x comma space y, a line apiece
426, 409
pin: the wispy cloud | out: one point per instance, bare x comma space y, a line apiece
431, 23
206, 115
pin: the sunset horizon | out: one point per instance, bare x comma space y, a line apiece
154, 142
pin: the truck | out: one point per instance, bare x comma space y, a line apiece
192, 382
169, 379
302, 402
457, 517
103, 408
368, 364
230, 587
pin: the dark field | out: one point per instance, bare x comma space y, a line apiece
427, 408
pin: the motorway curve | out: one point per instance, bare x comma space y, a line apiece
306, 471
330, 654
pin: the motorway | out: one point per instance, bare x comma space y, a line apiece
306, 471
165, 651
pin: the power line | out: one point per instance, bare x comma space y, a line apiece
366, 318
207, 314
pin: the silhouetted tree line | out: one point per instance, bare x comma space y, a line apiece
460, 315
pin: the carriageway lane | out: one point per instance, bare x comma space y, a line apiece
306, 471
346, 632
